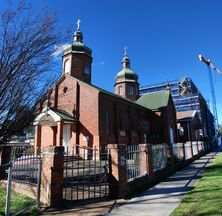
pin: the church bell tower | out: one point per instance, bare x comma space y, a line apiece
77, 58
126, 81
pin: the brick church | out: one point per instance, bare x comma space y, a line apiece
77, 112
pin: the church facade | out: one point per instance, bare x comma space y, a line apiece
75, 112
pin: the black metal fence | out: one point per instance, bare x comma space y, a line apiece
23, 170
133, 161
160, 156
86, 173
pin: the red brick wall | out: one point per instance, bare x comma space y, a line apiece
47, 136
125, 94
77, 66
88, 115
67, 100
130, 115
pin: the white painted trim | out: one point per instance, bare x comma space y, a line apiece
55, 116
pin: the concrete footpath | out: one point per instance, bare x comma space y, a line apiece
163, 198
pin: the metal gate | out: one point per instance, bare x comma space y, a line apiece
85, 173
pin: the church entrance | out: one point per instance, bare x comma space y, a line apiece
66, 138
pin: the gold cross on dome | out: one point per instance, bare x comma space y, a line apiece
125, 49
78, 24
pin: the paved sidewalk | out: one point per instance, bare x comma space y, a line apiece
163, 198
91, 209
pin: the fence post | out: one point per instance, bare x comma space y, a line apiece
52, 176
191, 146
198, 149
171, 155
9, 189
184, 152
150, 159
118, 170
39, 181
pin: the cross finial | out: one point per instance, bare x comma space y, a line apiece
78, 24
125, 49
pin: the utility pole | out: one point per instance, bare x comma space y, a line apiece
211, 66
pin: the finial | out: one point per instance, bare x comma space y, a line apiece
46, 105
78, 24
125, 49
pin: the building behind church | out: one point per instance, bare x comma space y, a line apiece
187, 98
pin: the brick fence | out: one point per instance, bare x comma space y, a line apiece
131, 169
119, 185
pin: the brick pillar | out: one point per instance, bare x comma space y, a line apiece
59, 137
52, 176
38, 134
118, 171
144, 159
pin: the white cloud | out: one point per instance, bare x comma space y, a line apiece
59, 49
102, 63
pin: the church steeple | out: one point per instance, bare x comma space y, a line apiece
126, 83
77, 57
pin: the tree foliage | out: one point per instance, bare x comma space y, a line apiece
27, 41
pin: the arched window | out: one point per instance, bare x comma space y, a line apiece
130, 89
67, 66
120, 90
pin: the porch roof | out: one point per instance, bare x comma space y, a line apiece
51, 116
64, 115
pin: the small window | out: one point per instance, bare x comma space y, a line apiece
67, 66
87, 69
130, 90
65, 89
120, 90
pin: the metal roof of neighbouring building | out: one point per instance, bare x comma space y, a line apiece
154, 100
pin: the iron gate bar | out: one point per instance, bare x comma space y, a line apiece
72, 166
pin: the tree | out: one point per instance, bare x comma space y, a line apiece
27, 41
220, 130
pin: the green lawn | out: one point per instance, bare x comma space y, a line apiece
206, 198
18, 202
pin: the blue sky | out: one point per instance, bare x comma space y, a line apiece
163, 38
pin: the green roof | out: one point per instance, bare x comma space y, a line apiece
154, 100
64, 115
126, 75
